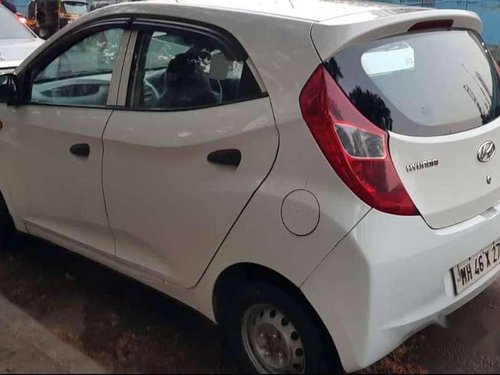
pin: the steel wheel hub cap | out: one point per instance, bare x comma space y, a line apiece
272, 342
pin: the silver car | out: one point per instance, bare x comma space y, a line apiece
16, 40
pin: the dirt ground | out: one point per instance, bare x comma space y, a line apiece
62, 313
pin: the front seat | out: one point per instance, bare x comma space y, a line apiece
187, 85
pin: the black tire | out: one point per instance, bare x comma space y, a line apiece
5, 224
320, 356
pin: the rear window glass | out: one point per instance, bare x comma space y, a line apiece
422, 84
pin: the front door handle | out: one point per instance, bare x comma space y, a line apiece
80, 149
230, 156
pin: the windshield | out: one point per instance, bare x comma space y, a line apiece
11, 28
421, 84
73, 7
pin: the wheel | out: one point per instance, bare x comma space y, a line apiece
151, 95
270, 331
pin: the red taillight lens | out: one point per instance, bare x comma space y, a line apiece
435, 24
355, 148
21, 18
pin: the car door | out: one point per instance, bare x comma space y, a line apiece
196, 138
53, 142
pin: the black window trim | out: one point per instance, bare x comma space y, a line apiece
233, 49
185, 109
126, 21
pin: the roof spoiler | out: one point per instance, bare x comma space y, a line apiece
331, 36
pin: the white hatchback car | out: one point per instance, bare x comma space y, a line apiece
319, 177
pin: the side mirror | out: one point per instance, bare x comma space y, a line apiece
9, 92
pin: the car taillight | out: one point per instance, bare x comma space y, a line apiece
355, 148
434, 24
21, 18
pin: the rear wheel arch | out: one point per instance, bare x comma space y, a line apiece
235, 276
7, 226
4, 209
238, 275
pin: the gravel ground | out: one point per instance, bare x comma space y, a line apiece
123, 326
26, 347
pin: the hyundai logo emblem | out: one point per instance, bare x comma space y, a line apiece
486, 151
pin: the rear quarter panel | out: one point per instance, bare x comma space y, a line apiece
285, 58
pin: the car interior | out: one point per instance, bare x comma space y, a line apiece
169, 72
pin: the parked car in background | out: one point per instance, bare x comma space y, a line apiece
12, 7
22, 19
319, 177
9, 5
16, 40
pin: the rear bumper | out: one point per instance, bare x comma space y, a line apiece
390, 277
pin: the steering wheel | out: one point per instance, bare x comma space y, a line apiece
151, 98
218, 88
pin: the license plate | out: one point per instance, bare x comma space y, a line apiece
471, 270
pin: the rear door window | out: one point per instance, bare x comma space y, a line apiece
422, 84
175, 69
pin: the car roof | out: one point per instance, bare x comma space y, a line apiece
307, 10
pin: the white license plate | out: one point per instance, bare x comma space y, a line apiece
471, 270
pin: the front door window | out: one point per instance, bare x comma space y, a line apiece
80, 76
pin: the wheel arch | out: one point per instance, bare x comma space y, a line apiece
231, 279
4, 210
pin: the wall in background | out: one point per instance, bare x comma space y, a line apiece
488, 10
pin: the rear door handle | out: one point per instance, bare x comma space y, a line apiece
229, 156
80, 149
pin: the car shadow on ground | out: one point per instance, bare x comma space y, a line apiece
122, 324
128, 327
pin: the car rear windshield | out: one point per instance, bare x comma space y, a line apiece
10, 27
421, 84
